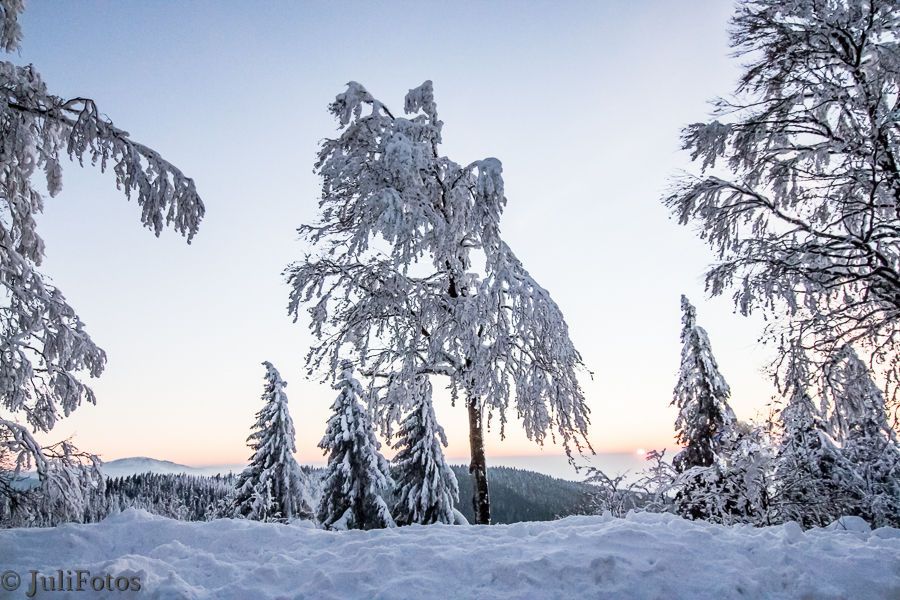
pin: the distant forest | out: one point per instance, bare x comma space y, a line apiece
516, 495
520, 495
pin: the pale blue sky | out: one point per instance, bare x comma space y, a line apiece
581, 101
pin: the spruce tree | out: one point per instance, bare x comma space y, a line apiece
870, 473
705, 426
358, 476
806, 462
704, 420
426, 488
271, 488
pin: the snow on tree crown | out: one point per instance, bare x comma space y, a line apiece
10, 30
492, 330
688, 318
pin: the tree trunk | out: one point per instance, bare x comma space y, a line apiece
481, 501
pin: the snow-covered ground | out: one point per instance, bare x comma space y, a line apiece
642, 556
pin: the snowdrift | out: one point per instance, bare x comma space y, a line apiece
648, 556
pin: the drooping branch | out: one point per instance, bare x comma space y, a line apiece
393, 282
804, 211
44, 348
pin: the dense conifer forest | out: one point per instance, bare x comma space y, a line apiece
519, 495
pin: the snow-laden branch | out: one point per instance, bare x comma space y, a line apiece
799, 191
43, 344
497, 333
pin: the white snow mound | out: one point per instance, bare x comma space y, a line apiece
648, 556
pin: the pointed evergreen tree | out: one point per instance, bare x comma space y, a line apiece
272, 487
357, 476
806, 462
426, 488
704, 420
854, 402
808, 457
870, 477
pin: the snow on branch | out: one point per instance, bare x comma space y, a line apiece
393, 283
43, 343
10, 30
799, 184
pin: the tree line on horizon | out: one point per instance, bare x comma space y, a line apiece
519, 495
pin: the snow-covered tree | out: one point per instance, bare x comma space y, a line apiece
358, 476
806, 465
72, 480
837, 454
870, 473
412, 277
799, 190
705, 420
425, 487
272, 487
43, 343
725, 469
853, 403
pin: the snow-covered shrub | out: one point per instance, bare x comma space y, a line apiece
615, 495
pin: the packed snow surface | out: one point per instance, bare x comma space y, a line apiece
641, 556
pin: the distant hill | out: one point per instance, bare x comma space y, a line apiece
124, 467
520, 495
